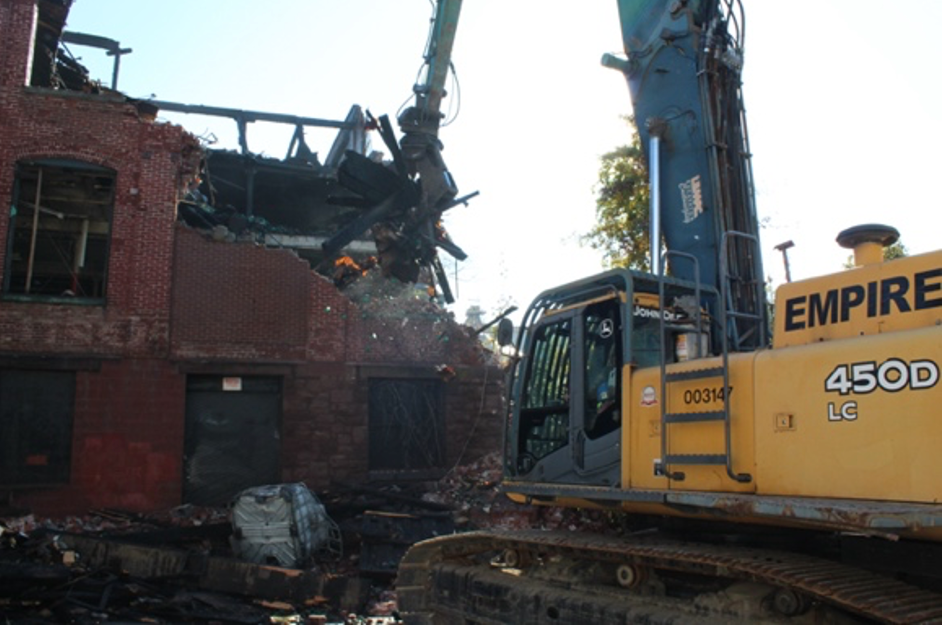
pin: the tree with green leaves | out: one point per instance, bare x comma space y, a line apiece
621, 231
892, 252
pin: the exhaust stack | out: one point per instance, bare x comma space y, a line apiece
867, 242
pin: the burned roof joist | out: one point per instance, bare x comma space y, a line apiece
300, 196
403, 211
274, 199
113, 48
245, 117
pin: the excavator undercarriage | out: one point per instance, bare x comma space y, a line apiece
541, 577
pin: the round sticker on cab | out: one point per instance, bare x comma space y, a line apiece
648, 396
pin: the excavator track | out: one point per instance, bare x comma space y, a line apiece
554, 577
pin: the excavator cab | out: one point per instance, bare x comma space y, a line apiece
582, 342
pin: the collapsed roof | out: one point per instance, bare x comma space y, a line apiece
352, 209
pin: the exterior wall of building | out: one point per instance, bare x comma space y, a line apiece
178, 305
239, 301
250, 310
150, 161
327, 432
126, 431
18, 25
127, 439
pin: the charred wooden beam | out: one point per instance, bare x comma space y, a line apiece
112, 48
220, 574
251, 115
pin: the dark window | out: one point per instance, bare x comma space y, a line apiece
59, 230
549, 370
407, 430
35, 426
602, 362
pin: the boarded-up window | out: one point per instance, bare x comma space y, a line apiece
59, 230
407, 430
35, 426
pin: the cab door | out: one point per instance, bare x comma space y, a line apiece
595, 428
544, 409
569, 410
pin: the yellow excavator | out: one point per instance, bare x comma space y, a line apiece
778, 467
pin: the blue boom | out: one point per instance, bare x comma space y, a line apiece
683, 67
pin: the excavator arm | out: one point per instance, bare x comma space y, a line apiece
683, 66
404, 201
420, 122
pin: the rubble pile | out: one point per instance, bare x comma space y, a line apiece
113, 521
173, 567
177, 567
474, 493
379, 524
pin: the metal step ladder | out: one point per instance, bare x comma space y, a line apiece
743, 296
670, 420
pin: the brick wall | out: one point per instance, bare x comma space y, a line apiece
244, 303
176, 301
128, 416
324, 429
476, 411
17, 21
326, 422
127, 441
148, 159
239, 301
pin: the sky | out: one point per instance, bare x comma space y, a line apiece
844, 98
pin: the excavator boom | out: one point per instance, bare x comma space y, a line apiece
683, 66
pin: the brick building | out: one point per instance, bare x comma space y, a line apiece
144, 364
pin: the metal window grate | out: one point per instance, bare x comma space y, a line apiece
406, 425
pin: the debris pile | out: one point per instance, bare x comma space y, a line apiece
379, 524
167, 568
473, 491
113, 521
177, 567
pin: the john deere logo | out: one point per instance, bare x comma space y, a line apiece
606, 329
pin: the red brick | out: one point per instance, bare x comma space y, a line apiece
174, 297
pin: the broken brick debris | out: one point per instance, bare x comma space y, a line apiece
473, 490
385, 537
175, 567
384, 521
168, 568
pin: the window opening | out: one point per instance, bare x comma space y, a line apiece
407, 427
60, 225
36, 410
545, 412
602, 360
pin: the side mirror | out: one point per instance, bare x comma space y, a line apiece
506, 332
